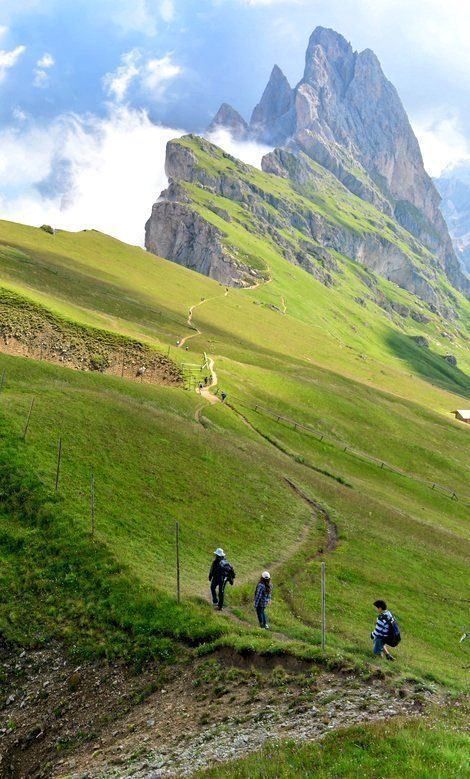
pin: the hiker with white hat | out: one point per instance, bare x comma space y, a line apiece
263, 595
220, 573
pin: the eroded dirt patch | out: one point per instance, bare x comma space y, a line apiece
30, 330
59, 718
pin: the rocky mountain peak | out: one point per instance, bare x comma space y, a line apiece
327, 47
273, 119
228, 118
347, 116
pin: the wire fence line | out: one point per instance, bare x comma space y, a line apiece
450, 492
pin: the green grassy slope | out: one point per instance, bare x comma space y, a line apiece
309, 352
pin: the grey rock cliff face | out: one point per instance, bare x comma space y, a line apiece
179, 233
176, 232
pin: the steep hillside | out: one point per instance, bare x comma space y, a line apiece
336, 442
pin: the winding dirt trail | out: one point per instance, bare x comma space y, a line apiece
317, 510
204, 391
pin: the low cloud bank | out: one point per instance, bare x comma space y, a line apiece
87, 172
442, 141
250, 152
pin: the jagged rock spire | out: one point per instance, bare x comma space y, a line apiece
272, 119
228, 118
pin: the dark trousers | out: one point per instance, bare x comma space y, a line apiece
217, 592
261, 616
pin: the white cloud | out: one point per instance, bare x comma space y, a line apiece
41, 75
167, 10
129, 15
247, 151
152, 75
88, 172
158, 72
114, 171
8, 59
46, 61
18, 114
3, 30
118, 82
41, 78
442, 141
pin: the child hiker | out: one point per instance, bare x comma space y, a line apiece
263, 594
386, 633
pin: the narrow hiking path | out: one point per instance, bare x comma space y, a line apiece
190, 318
316, 509
331, 543
204, 391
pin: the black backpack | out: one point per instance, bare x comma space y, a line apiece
227, 571
393, 635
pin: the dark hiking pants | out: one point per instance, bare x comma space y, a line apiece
261, 616
217, 592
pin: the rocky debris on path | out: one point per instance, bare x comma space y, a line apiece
213, 713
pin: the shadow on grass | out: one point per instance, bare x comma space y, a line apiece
428, 365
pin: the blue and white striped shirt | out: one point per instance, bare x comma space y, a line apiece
382, 628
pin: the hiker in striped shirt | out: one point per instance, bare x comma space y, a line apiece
383, 629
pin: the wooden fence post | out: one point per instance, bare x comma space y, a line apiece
27, 421
92, 501
323, 606
178, 590
59, 457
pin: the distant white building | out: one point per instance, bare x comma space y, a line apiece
462, 416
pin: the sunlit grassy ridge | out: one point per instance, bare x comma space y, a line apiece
326, 356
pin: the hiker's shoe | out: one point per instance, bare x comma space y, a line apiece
389, 656
266, 627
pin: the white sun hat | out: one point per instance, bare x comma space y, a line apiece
266, 575
219, 552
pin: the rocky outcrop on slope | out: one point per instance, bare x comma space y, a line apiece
177, 232
347, 116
